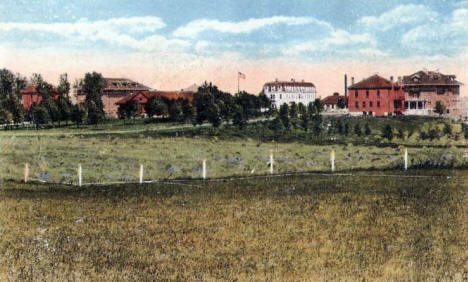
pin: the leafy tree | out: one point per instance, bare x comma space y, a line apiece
318, 106
41, 115
93, 85
439, 108
303, 116
293, 110
317, 124
401, 134
65, 109
387, 132
213, 115
265, 102
208, 103
447, 129
341, 103
340, 127
132, 109
175, 111
465, 130
434, 133
278, 127
357, 130
367, 129
10, 94
239, 119
284, 115
5, 117
78, 114
187, 109
346, 129
53, 109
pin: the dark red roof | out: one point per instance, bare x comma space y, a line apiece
32, 90
373, 82
290, 83
332, 99
430, 78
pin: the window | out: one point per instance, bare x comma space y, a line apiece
281, 96
356, 105
412, 105
370, 104
364, 104
367, 93
378, 93
356, 94
420, 105
378, 104
272, 96
406, 104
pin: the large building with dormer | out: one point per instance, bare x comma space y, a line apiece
114, 90
286, 92
424, 89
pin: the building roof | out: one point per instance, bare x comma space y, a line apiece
119, 84
124, 84
32, 90
154, 94
290, 83
425, 77
332, 99
372, 82
192, 88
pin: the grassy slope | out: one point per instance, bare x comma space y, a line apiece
292, 228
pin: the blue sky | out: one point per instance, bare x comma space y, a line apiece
167, 32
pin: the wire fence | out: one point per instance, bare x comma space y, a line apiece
75, 160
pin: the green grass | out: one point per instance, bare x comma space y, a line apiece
364, 227
110, 158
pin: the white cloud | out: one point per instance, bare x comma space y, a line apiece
399, 16
116, 31
450, 35
338, 40
193, 28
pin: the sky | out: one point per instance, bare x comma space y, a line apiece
171, 44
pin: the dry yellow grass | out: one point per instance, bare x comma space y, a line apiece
282, 229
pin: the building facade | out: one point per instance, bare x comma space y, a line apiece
424, 89
286, 92
31, 97
332, 104
114, 90
376, 96
142, 97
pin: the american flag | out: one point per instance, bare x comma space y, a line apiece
241, 75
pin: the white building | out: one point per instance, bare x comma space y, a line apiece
281, 92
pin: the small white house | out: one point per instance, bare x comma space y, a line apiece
281, 92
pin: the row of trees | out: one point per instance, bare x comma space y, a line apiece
209, 105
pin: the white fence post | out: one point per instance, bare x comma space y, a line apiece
79, 175
204, 169
271, 161
26, 172
332, 160
141, 173
406, 159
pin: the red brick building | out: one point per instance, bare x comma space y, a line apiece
114, 90
425, 88
376, 96
142, 97
30, 96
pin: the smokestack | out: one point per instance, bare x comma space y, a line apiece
352, 80
345, 85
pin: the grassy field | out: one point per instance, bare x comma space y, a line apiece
362, 227
118, 158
